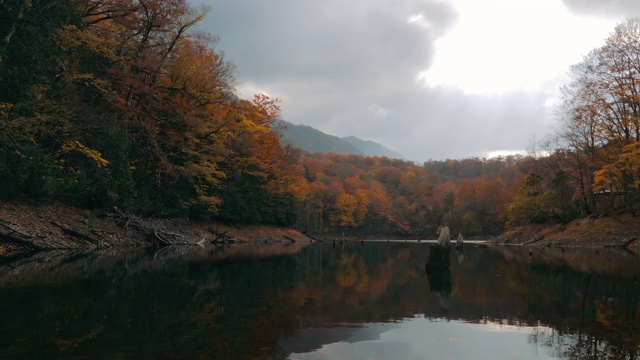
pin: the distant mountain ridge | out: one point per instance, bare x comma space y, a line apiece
313, 140
372, 148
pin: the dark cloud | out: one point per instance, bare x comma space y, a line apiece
343, 41
444, 123
605, 8
351, 68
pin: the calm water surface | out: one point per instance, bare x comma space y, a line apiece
369, 300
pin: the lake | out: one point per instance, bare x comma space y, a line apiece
354, 300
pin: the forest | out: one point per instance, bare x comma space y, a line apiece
125, 104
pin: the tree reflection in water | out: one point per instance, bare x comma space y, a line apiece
268, 303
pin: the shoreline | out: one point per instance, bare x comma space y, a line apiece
28, 227
44, 227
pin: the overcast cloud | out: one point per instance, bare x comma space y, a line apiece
430, 79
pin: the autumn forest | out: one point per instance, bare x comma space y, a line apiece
126, 104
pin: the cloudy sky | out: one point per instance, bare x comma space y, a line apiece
430, 79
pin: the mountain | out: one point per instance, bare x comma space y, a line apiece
372, 148
313, 140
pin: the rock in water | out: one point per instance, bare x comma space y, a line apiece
445, 239
439, 255
459, 241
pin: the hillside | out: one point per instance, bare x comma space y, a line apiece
313, 141
587, 231
372, 148
57, 226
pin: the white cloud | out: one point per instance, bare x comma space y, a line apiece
378, 111
499, 46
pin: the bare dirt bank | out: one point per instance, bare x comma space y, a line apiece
60, 226
25, 226
595, 231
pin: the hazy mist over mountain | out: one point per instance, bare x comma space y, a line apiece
313, 140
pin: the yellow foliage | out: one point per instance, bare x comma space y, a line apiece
526, 207
76, 146
611, 176
71, 38
300, 188
363, 204
348, 211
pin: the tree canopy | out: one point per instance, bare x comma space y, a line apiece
125, 104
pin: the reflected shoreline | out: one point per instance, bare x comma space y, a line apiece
266, 298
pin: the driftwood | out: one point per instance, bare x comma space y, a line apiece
161, 238
17, 238
127, 222
628, 241
534, 240
174, 234
14, 231
624, 243
221, 237
306, 233
77, 234
168, 238
288, 238
151, 229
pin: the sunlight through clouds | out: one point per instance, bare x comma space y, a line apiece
499, 46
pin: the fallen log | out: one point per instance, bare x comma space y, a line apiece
10, 238
534, 240
628, 241
288, 238
14, 231
77, 234
306, 233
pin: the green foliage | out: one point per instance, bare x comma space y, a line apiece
529, 204
25, 170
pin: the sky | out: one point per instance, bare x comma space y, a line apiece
430, 79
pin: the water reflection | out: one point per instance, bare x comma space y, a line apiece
421, 338
290, 302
